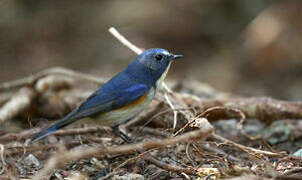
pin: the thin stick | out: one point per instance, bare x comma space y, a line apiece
240, 124
204, 114
168, 167
125, 41
173, 108
249, 150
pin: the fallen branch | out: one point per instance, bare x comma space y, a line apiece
9, 151
18, 136
30, 80
85, 130
64, 132
263, 108
292, 171
17, 104
4, 97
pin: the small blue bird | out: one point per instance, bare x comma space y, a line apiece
122, 97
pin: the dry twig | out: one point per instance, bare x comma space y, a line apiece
252, 151
125, 41
64, 132
30, 149
169, 167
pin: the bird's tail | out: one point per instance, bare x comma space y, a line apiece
43, 133
56, 126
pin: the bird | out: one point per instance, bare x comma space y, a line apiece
123, 97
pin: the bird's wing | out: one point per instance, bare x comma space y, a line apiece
98, 102
101, 102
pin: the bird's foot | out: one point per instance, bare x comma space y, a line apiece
122, 135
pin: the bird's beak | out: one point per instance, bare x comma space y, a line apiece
176, 56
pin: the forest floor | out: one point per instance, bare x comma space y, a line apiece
190, 131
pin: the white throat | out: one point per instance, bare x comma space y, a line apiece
163, 76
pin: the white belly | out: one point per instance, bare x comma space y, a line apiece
119, 116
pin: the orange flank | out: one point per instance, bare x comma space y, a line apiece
124, 113
137, 102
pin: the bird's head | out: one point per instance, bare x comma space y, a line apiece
157, 59
152, 65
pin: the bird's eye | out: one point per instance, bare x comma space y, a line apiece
159, 57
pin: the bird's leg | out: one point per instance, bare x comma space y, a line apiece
122, 135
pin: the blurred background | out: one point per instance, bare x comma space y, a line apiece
245, 47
